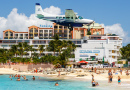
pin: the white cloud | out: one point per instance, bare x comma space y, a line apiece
118, 30
114, 29
20, 22
53, 10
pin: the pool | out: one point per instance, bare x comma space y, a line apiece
48, 84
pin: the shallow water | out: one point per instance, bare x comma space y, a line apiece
48, 84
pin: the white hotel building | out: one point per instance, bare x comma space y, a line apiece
99, 47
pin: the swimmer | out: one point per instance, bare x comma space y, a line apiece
24, 77
18, 79
56, 84
38, 77
10, 76
97, 84
16, 75
33, 78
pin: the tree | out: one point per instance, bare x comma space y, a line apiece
89, 33
14, 49
41, 48
31, 49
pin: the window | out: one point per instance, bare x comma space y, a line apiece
71, 17
60, 17
57, 17
64, 18
67, 17
80, 17
60, 26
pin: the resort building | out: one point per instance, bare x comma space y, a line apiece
94, 29
99, 48
95, 46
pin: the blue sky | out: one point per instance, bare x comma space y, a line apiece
108, 12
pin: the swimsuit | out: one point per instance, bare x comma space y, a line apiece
119, 80
93, 84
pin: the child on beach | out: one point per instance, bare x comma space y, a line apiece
119, 80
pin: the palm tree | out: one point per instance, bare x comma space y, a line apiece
14, 49
41, 48
31, 49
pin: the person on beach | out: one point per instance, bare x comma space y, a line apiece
92, 76
18, 79
119, 80
111, 78
58, 74
121, 71
33, 78
127, 73
92, 69
93, 83
95, 69
56, 84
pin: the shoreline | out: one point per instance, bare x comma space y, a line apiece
88, 77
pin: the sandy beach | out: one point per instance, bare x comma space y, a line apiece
79, 75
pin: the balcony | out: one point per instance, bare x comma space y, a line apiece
51, 32
30, 32
45, 32
35, 32
40, 32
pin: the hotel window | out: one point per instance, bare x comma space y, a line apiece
60, 26
55, 26
6, 34
41, 31
65, 35
45, 31
21, 34
35, 30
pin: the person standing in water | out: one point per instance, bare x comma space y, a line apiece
93, 83
33, 78
119, 80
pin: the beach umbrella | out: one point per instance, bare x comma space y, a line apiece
103, 60
82, 62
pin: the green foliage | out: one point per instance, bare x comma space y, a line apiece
89, 33
62, 47
120, 62
125, 51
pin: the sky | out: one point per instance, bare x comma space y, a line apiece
113, 15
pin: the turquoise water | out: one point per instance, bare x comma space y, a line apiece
48, 84
42, 84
